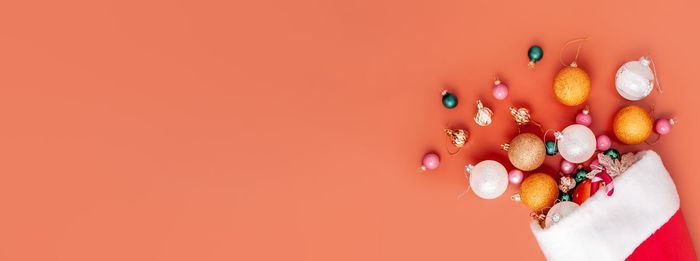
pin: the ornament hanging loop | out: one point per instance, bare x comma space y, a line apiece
656, 77
578, 49
467, 170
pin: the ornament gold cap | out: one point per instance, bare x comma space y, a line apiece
673, 121
443, 92
468, 168
515, 197
505, 146
586, 110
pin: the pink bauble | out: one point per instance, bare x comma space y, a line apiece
500, 91
584, 119
431, 161
663, 126
567, 167
603, 142
595, 164
515, 176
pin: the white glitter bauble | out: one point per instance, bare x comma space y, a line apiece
488, 179
558, 212
576, 143
634, 80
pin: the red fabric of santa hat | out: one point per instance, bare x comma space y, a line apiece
642, 220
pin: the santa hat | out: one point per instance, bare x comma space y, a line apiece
642, 220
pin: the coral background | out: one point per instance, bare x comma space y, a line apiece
292, 130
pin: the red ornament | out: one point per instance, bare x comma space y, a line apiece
583, 191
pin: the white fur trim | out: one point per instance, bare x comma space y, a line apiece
610, 228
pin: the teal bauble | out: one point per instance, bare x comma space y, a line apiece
535, 54
449, 100
551, 147
613, 153
564, 196
580, 175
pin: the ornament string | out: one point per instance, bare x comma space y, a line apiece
447, 146
658, 85
466, 174
561, 52
556, 138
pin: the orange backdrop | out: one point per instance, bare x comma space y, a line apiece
292, 130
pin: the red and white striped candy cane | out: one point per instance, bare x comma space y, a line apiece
604, 177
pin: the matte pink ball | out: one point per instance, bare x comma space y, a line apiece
567, 167
500, 91
515, 176
603, 142
431, 161
584, 119
663, 126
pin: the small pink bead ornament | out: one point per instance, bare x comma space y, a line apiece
430, 161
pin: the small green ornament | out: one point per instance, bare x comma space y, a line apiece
535, 54
449, 100
613, 153
580, 175
564, 196
551, 147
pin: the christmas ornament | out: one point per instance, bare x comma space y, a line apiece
535, 54
564, 196
583, 192
607, 181
526, 151
635, 80
538, 191
580, 175
551, 147
488, 179
483, 114
611, 166
500, 90
449, 100
572, 84
663, 126
558, 212
566, 183
632, 125
522, 117
576, 143
584, 118
430, 161
567, 167
603, 142
515, 176
613, 153
458, 137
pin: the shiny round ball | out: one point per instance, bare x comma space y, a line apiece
564, 196
572, 86
431, 161
632, 125
538, 191
515, 176
535, 53
576, 143
663, 126
551, 147
584, 119
613, 153
449, 100
500, 91
526, 151
567, 167
488, 179
603, 142
580, 175
634, 80
558, 212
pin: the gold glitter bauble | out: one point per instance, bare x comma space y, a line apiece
632, 125
526, 151
538, 191
572, 86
